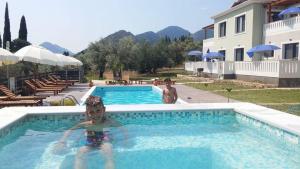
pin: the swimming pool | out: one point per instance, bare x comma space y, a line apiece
128, 94
204, 139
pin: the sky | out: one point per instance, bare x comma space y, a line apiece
73, 24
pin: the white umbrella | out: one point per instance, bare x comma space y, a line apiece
68, 61
7, 56
37, 54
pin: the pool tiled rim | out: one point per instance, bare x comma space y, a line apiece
278, 123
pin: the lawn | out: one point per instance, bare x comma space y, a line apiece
279, 99
218, 86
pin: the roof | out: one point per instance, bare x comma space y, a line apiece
211, 26
240, 4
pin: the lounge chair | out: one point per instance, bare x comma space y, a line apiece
11, 96
54, 83
38, 84
51, 85
60, 81
19, 103
36, 89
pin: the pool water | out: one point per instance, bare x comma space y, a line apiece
129, 95
164, 140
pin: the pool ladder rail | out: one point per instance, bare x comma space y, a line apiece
71, 97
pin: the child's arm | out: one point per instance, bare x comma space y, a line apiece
68, 132
175, 95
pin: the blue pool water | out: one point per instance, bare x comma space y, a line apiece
156, 140
129, 95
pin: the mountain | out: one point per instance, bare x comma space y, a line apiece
150, 37
200, 35
115, 37
55, 48
173, 32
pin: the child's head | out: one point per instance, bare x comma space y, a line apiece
95, 108
168, 82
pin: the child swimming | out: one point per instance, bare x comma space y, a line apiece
96, 137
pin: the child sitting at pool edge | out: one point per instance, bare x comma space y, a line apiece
169, 93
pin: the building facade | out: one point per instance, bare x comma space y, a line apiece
245, 25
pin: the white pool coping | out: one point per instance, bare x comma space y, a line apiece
278, 119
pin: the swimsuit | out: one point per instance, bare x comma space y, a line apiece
96, 138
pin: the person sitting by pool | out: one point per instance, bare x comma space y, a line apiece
96, 138
169, 93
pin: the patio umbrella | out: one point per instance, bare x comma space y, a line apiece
214, 55
261, 48
68, 61
195, 53
7, 57
37, 54
291, 10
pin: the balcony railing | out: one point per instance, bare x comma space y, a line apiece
282, 26
278, 69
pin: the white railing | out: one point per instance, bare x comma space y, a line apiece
289, 69
279, 69
258, 68
282, 26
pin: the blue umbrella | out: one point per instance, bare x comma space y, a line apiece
195, 53
291, 10
261, 48
214, 55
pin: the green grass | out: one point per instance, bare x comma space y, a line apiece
265, 95
218, 86
278, 99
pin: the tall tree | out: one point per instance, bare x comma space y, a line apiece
6, 33
23, 29
0, 41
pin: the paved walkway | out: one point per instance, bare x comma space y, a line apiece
192, 95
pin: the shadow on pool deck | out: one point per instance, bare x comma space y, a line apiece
192, 95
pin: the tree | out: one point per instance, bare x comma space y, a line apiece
23, 29
18, 44
0, 42
6, 33
66, 53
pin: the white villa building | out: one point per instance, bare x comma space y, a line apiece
246, 24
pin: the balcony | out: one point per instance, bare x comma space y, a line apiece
276, 69
282, 26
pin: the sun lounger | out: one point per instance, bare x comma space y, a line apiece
36, 89
56, 83
11, 96
59, 81
38, 84
19, 103
68, 81
51, 85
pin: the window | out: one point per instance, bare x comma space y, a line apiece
239, 54
222, 29
291, 51
224, 53
240, 24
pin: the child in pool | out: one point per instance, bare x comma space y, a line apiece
95, 135
169, 93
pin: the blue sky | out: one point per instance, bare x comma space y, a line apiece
73, 24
